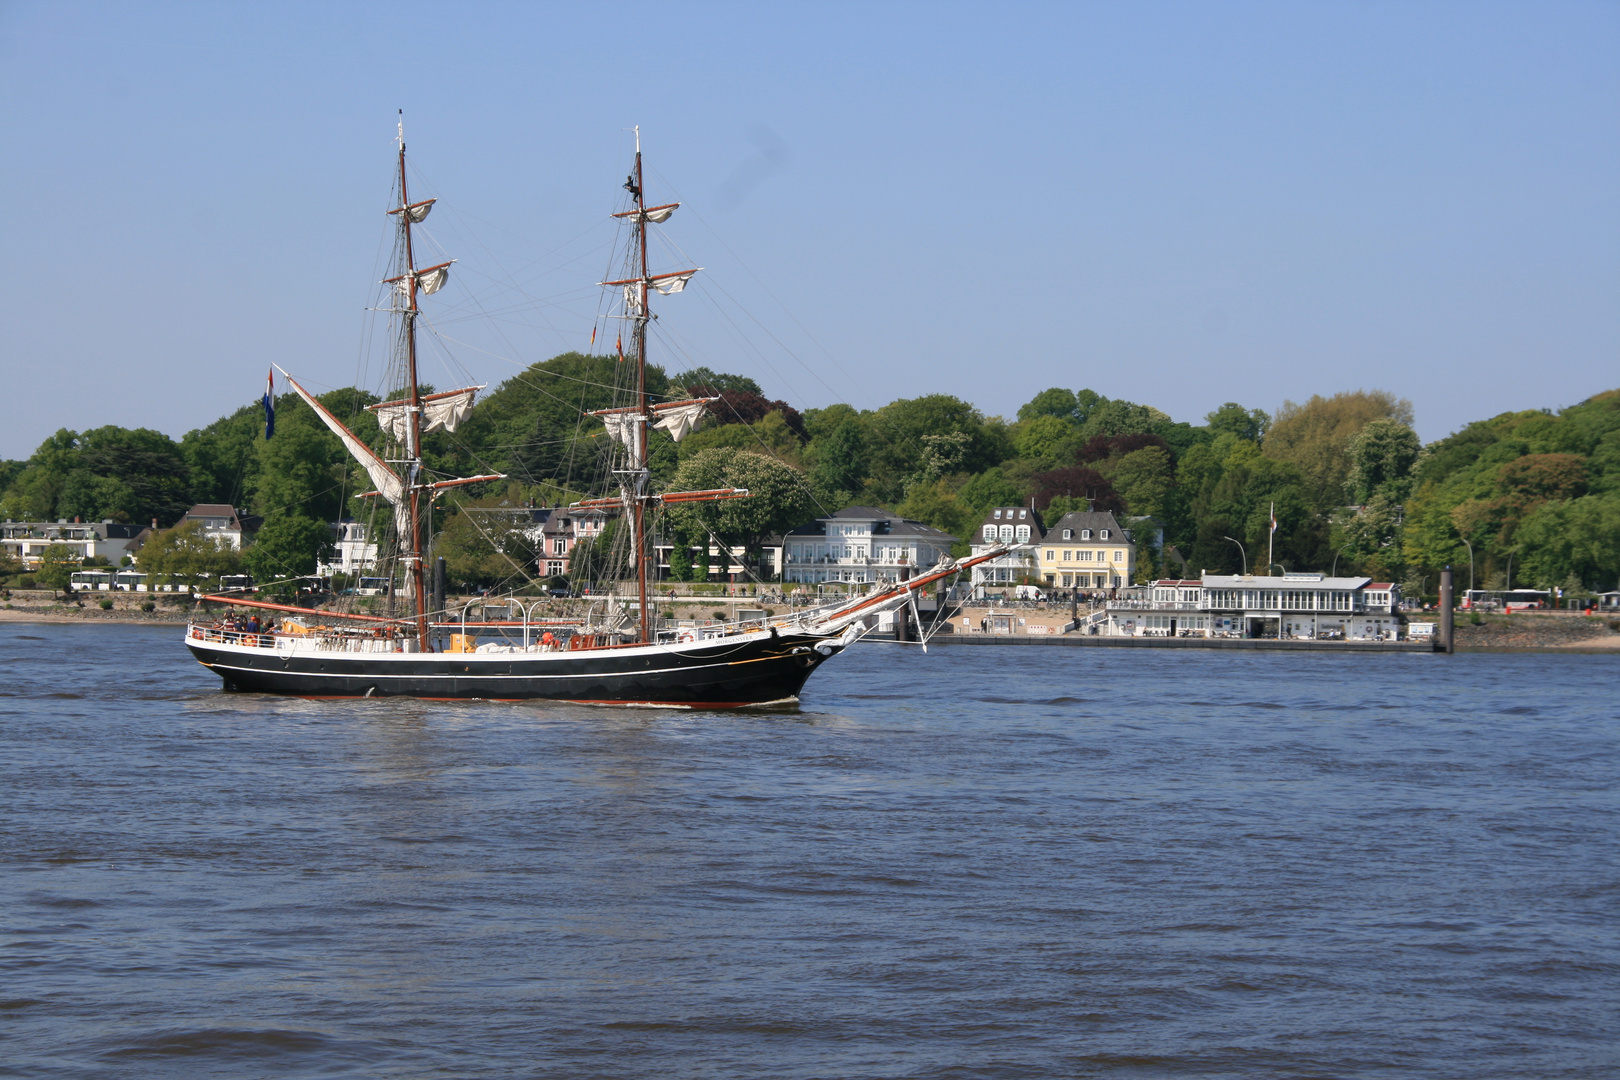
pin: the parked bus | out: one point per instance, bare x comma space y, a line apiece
1505, 599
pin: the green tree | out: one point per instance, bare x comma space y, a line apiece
718, 381
489, 542
837, 459
1233, 419
289, 546
1381, 458
1055, 402
778, 498
56, 566
1315, 438
187, 555
1578, 537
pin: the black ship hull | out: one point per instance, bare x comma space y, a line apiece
725, 673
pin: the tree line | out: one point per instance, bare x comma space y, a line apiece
1534, 495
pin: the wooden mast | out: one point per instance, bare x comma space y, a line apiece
414, 452
639, 510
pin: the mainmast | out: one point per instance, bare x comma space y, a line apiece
407, 425
631, 425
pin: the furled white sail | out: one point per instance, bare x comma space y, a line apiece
388, 483
439, 412
622, 426
660, 214
674, 284
431, 281
632, 300
419, 212
680, 420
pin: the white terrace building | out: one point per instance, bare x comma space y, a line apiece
1298, 606
862, 544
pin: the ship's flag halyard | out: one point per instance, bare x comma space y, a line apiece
270, 405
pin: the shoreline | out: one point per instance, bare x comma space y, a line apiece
1603, 645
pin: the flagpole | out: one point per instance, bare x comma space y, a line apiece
1271, 540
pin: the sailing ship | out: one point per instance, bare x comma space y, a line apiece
604, 658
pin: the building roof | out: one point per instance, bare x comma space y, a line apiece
1078, 520
1289, 581
884, 523
1014, 515
202, 510
1171, 583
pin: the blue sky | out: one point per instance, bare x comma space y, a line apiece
1181, 204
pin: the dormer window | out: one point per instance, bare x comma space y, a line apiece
1103, 535
1006, 532
989, 533
1023, 533
1085, 534
998, 513
1068, 534
1022, 514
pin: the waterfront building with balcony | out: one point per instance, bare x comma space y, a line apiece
862, 544
26, 541
1018, 525
1294, 606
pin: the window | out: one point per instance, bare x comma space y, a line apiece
1068, 534
998, 513
1085, 534
1022, 514
1119, 556
1103, 535
1023, 534
1051, 556
1065, 554
989, 533
559, 546
1006, 532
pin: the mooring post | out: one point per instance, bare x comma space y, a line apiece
1447, 617
438, 590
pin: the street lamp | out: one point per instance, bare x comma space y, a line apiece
1284, 569
1245, 555
1335, 571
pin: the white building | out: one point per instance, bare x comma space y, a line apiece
862, 544
1017, 525
223, 524
26, 541
353, 549
1294, 606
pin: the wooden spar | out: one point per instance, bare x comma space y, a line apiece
645, 278
667, 497
648, 210
296, 610
917, 583
660, 407
425, 397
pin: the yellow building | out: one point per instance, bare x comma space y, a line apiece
1087, 550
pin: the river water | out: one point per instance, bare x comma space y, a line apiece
1016, 862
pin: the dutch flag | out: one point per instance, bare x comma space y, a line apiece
270, 405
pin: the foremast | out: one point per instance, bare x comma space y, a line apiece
406, 420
